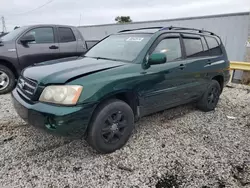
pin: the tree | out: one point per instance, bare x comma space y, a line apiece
123, 19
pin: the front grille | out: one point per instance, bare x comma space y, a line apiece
26, 87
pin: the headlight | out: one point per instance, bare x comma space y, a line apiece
67, 94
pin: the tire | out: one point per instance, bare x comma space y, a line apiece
210, 98
7, 80
111, 126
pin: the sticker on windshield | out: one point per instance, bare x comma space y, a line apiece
135, 39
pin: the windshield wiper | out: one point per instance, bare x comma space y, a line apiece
104, 58
107, 58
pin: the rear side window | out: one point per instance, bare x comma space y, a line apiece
195, 46
66, 35
214, 46
204, 44
90, 43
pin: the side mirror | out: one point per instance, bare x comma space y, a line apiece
27, 38
157, 58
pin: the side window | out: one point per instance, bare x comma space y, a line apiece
66, 35
42, 35
171, 47
195, 47
204, 44
214, 47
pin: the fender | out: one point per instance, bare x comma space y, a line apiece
12, 63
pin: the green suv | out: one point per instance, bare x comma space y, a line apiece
124, 77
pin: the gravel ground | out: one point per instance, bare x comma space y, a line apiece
180, 147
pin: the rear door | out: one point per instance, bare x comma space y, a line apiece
67, 42
197, 58
44, 47
216, 63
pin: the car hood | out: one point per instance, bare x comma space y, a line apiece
6, 47
67, 69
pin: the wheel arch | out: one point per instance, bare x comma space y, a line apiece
220, 80
127, 96
10, 66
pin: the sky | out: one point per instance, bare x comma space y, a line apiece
92, 12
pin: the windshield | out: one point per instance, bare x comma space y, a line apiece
13, 34
124, 47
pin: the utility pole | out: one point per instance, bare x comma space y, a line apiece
3, 25
80, 19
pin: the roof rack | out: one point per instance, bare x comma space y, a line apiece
140, 29
173, 28
186, 28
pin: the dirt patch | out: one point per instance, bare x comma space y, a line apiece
168, 181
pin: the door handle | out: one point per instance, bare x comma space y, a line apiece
53, 47
209, 62
182, 66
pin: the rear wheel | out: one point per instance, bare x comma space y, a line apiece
210, 98
111, 126
7, 79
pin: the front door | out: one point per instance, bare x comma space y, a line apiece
166, 83
44, 47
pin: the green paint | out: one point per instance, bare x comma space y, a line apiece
151, 85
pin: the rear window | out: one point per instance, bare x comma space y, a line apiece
214, 46
66, 35
195, 46
91, 43
80, 35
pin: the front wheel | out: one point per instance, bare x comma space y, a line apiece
210, 98
7, 80
111, 126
